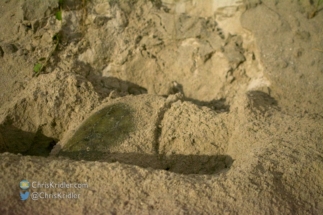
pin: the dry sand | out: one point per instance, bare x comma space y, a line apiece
162, 107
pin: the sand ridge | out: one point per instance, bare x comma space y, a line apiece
242, 136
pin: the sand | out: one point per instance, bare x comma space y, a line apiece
161, 107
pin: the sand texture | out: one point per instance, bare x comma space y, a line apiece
162, 106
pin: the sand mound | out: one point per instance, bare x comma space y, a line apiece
161, 107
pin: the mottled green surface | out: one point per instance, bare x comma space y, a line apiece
107, 127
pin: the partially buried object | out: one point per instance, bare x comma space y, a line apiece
104, 129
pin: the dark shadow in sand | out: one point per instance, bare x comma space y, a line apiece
215, 104
261, 101
15, 140
182, 164
106, 85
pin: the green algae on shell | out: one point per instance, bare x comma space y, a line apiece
107, 127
